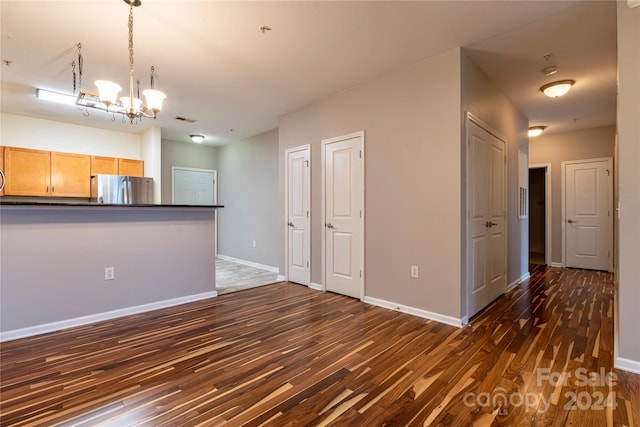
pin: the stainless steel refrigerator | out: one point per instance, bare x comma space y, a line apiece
121, 190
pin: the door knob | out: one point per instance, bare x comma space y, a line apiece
570, 221
329, 225
290, 224
492, 224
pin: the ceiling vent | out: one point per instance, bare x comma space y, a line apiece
184, 119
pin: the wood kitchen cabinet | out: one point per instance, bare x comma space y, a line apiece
107, 165
70, 175
43, 173
130, 167
2, 170
28, 172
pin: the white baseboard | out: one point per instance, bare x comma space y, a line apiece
281, 278
556, 264
518, 281
453, 321
249, 263
92, 318
315, 286
627, 365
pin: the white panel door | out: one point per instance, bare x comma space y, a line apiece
487, 215
343, 215
587, 214
298, 220
193, 186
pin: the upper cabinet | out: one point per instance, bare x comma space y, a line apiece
28, 172
1, 171
130, 167
70, 175
108, 165
45, 173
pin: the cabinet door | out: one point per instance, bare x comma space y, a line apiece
2, 170
27, 172
107, 165
130, 167
70, 175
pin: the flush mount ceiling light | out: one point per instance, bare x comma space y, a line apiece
536, 130
197, 138
556, 89
107, 97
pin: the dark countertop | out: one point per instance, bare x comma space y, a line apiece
96, 205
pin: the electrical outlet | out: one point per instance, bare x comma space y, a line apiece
254, 244
109, 273
415, 272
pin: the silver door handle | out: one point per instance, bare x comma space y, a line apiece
570, 221
329, 225
290, 224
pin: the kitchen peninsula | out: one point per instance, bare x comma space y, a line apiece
56, 260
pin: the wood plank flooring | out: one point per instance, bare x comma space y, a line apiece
284, 355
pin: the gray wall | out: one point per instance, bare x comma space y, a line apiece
629, 187
248, 188
482, 98
414, 213
412, 179
53, 260
187, 155
559, 147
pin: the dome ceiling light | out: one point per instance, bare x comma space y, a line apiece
536, 130
557, 89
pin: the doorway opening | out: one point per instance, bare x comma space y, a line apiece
540, 240
537, 220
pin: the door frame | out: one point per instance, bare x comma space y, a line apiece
215, 195
467, 250
286, 210
548, 226
563, 199
324, 144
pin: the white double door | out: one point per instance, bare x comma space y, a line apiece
487, 257
588, 221
343, 208
298, 206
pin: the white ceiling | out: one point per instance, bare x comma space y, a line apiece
217, 67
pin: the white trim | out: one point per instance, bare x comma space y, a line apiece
557, 265
324, 143
288, 151
281, 278
547, 210
518, 281
316, 286
442, 318
610, 191
250, 263
627, 365
92, 318
215, 195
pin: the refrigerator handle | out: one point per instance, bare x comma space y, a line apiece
3, 180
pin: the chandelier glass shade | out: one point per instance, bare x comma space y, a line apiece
107, 99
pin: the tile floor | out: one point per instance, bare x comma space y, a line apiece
232, 276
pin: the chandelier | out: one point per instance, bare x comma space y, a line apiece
107, 97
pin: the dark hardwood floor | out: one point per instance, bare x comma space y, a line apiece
284, 355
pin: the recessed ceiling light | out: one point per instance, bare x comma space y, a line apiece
556, 89
536, 130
